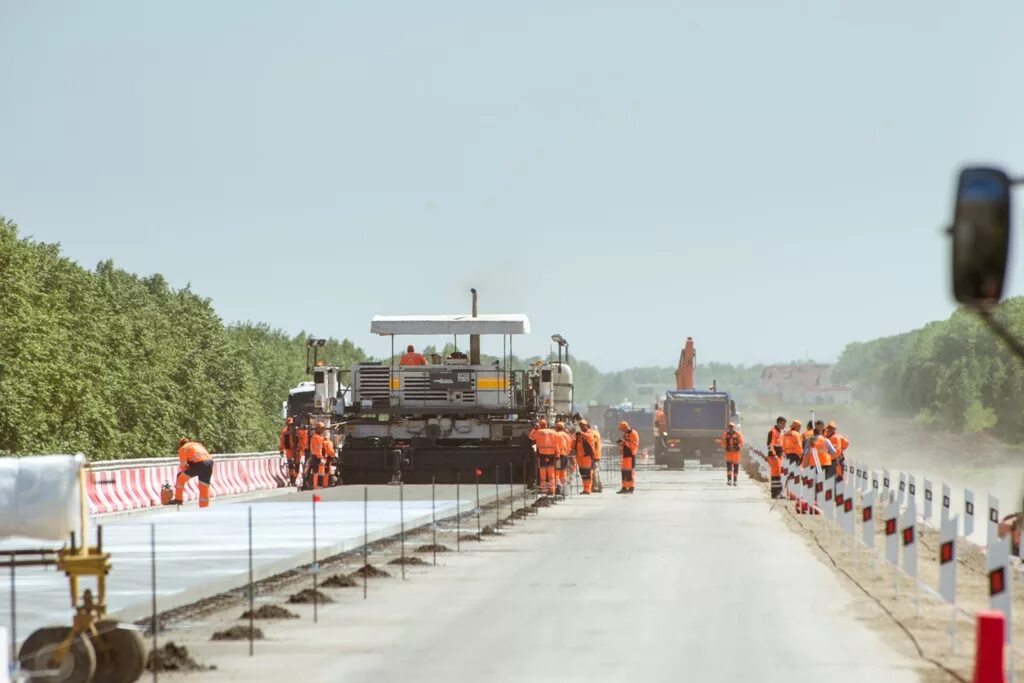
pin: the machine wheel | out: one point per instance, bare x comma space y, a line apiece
77, 667
120, 653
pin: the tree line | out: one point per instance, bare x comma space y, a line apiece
952, 373
116, 366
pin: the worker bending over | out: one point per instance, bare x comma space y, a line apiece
546, 442
562, 465
775, 455
287, 446
628, 445
595, 474
193, 461
322, 450
411, 357
732, 440
585, 456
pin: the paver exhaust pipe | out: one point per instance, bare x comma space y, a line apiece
474, 339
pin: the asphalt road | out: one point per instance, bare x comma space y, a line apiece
686, 579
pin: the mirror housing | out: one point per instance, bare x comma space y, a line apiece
981, 235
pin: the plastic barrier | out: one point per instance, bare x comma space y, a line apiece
124, 485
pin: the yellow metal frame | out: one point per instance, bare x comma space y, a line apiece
81, 562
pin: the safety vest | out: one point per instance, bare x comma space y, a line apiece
630, 443
732, 442
319, 446
546, 440
792, 444
840, 443
584, 449
191, 453
818, 445
774, 438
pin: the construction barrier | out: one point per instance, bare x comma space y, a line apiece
124, 485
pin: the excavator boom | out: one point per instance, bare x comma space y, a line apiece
687, 363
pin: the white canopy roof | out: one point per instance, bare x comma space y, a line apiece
496, 323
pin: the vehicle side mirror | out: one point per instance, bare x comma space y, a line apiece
981, 235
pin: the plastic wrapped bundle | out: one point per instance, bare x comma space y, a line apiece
40, 496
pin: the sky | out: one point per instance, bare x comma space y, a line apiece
626, 173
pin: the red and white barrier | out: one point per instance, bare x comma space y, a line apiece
120, 486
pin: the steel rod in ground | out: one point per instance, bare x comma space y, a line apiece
497, 498
401, 518
152, 595
252, 614
458, 513
433, 515
313, 568
524, 485
511, 497
478, 530
366, 540
14, 616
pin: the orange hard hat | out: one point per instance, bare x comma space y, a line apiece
796, 423
320, 425
584, 423
832, 424
624, 426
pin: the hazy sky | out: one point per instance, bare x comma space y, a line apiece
626, 173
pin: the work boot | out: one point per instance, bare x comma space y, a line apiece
585, 493
630, 490
622, 490
558, 490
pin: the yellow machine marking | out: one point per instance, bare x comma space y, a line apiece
492, 383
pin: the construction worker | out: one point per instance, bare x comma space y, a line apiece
818, 452
595, 474
193, 461
732, 441
840, 443
562, 465
546, 442
628, 445
287, 446
793, 449
584, 448
775, 455
411, 357
322, 450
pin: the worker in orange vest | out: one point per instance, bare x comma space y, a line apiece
562, 465
628, 446
193, 461
595, 474
840, 443
775, 455
584, 447
818, 452
793, 449
322, 450
732, 440
411, 357
546, 442
288, 447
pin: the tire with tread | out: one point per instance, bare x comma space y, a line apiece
120, 654
78, 666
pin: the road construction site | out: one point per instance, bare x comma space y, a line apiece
688, 575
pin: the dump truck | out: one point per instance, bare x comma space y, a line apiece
694, 419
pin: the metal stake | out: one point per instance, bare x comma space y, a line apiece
14, 617
313, 568
401, 517
511, 497
433, 515
458, 514
497, 499
152, 592
524, 484
366, 539
251, 599
478, 530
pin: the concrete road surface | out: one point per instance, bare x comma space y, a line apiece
203, 552
685, 580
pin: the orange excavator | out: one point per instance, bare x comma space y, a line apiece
690, 421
